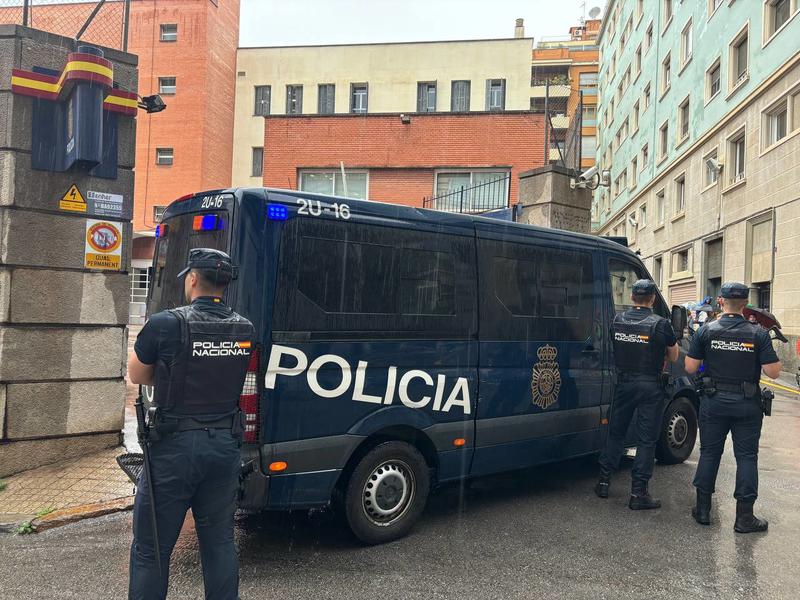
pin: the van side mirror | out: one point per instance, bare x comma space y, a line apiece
679, 319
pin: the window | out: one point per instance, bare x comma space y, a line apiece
645, 156
167, 85
737, 59
426, 96
326, 99
759, 259
294, 99
459, 96
635, 118
658, 270
158, 213
711, 174
262, 100
588, 146
736, 157
354, 185
683, 120
712, 80
648, 38
663, 140
686, 43
622, 275
639, 9
358, 98
637, 60
776, 15
646, 97
495, 94
587, 82
632, 226
666, 73
169, 32
681, 262
643, 216
680, 194
661, 210
713, 258
471, 191
258, 162
589, 115
634, 171
775, 123
667, 6
164, 156
713, 5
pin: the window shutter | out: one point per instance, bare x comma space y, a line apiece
761, 252
502, 94
366, 98
420, 97
488, 94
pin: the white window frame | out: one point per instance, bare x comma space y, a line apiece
658, 278
788, 101
661, 206
165, 157
675, 274
170, 36
686, 50
736, 82
679, 196
334, 172
637, 61
634, 172
682, 137
665, 75
767, 16
648, 38
713, 152
635, 116
717, 63
667, 19
167, 90
642, 219
645, 156
732, 178
472, 172
647, 96
158, 213
359, 102
663, 135
713, 7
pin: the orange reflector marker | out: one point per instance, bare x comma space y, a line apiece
458, 442
278, 465
603, 421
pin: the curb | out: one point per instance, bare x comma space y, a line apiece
73, 514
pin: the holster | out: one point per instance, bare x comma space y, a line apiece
707, 386
765, 399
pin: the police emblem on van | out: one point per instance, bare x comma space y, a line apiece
546, 380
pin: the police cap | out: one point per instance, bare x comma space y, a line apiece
208, 258
734, 290
643, 287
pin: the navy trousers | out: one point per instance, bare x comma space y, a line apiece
720, 414
645, 395
191, 469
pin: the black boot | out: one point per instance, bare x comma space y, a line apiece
603, 484
746, 522
641, 498
702, 510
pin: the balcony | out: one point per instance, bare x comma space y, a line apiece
559, 121
555, 91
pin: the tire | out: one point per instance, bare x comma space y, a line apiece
386, 492
678, 432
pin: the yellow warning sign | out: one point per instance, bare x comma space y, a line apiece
72, 200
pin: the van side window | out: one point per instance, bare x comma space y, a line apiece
348, 280
535, 293
622, 276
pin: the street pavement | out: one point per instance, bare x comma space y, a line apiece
535, 534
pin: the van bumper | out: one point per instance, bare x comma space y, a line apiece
287, 492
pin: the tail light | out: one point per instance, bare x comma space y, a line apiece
248, 401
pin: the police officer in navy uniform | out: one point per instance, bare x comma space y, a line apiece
642, 340
196, 357
734, 353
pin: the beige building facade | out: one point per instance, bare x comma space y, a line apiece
728, 207
452, 76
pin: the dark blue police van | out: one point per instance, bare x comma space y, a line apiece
400, 348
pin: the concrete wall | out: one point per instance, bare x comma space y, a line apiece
391, 70
63, 341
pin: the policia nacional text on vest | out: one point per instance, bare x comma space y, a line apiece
200, 354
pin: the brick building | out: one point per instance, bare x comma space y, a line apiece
401, 160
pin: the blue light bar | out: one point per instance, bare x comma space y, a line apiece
277, 212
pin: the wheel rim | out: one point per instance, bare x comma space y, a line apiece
678, 430
388, 492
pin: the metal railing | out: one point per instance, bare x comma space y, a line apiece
101, 22
475, 199
563, 125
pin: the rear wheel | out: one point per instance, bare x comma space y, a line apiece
678, 432
386, 493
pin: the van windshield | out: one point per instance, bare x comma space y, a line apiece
172, 248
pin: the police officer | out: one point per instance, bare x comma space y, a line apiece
196, 357
734, 352
641, 342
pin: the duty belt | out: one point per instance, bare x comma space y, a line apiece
190, 423
736, 388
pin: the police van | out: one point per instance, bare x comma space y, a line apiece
400, 348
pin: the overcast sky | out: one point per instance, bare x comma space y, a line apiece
305, 22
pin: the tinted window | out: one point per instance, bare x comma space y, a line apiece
535, 293
622, 276
427, 282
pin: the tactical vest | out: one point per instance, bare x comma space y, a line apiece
635, 347
206, 377
731, 355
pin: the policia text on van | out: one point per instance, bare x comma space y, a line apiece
398, 348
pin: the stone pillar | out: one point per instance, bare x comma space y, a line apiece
63, 315
545, 199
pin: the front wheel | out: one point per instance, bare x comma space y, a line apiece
678, 432
386, 493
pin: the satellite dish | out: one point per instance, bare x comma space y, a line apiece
595, 12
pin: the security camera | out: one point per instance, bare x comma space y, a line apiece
592, 178
632, 220
713, 164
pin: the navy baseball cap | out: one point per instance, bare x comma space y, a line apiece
643, 287
735, 291
208, 258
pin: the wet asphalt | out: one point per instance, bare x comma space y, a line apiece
535, 534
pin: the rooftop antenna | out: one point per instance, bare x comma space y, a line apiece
583, 13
